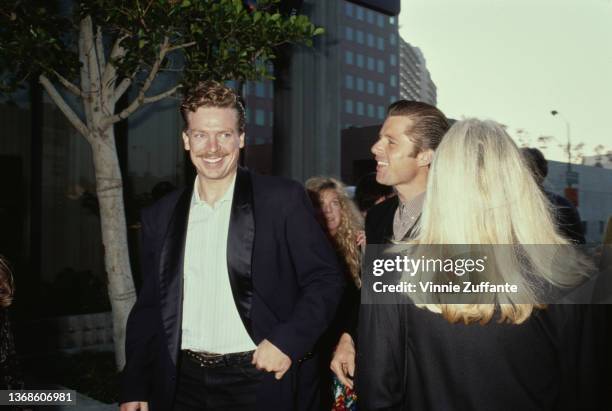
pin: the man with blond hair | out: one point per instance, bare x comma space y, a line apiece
239, 281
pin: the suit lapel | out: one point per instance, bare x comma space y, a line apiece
171, 272
240, 246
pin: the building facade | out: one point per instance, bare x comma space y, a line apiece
415, 80
369, 48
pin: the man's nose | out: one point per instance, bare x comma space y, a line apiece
376, 148
213, 144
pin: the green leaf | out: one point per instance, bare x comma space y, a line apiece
318, 31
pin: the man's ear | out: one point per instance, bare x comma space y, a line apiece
425, 157
185, 141
241, 140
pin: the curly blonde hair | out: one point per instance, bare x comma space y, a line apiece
351, 223
7, 287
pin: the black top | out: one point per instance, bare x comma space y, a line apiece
413, 359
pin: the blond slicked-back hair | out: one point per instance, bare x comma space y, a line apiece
351, 222
481, 191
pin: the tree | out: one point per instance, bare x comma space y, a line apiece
99, 49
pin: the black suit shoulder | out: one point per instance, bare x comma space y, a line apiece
277, 194
159, 213
275, 185
379, 221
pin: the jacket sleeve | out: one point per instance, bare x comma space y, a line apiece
319, 279
381, 357
143, 325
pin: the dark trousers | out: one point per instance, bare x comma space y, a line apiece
228, 387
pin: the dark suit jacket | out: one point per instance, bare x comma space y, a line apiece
283, 273
379, 221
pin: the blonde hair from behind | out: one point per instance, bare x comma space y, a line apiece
345, 239
481, 191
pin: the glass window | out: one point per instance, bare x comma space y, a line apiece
381, 112
370, 40
370, 16
271, 118
359, 84
370, 87
371, 63
392, 99
348, 9
359, 12
380, 21
380, 89
260, 117
348, 57
348, 106
380, 66
359, 36
393, 80
348, 82
393, 59
360, 108
270, 90
348, 33
359, 60
392, 20
260, 90
380, 43
392, 39
248, 115
370, 110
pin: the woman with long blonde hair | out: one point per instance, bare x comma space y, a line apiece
343, 222
344, 226
511, 353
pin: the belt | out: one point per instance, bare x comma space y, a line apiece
213, 360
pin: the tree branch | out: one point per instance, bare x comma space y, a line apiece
123, 86
181, 46
100, 49
140, 99
85, 75
69, 86
138, 102
63, 106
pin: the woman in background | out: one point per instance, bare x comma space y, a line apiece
9, 370
511, 355
344, 226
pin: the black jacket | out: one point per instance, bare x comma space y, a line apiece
283, 273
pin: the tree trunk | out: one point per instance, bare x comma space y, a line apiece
109, 187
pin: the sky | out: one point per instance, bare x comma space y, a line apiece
514, 61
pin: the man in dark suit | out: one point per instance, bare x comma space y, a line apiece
239, 281
403, 152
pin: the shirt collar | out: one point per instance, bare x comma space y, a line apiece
227, 196
414, 206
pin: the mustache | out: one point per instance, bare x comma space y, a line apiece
216, 154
